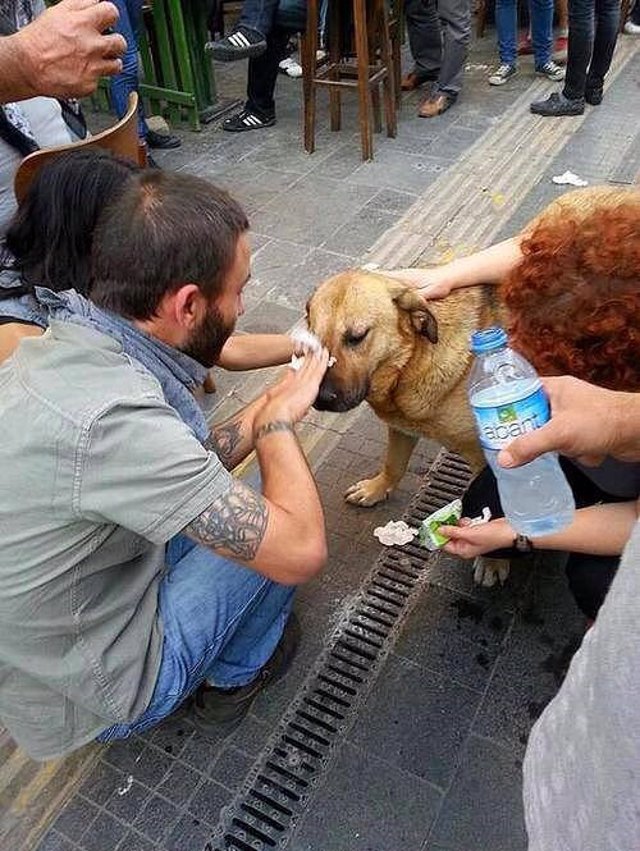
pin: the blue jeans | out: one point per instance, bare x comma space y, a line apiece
221, 623
126, 81
541, 13
593, 32
259, 15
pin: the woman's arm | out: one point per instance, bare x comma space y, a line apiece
488, 266
597, 530
253, 351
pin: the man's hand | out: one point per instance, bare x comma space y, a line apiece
63, 52
290, 399
587, 423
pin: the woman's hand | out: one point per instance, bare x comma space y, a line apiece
431, 283
467, 541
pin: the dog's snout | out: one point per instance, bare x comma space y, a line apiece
327, 397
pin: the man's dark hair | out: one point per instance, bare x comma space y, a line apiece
164, 230
51, 233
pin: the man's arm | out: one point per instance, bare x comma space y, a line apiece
62, 53
587, 422
232, 439
280, 533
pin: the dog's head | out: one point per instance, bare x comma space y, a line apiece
370, 324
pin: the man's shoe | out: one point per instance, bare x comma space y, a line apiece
247, 120
435, 105
502, 74
242, 43
560, 49
632, 29
163, 141
593, 93
217, 712
552, 72
413, 80
558, 104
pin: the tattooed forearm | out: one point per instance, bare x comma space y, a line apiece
269, 428
226, 440
235, 522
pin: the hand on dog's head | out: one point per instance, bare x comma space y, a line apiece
424, 322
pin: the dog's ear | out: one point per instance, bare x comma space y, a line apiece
422, 319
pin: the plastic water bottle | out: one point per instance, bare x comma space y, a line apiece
508, 400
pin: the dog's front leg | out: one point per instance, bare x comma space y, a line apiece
370, 491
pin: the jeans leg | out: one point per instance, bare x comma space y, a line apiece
581, 26
541, 12
425, 36
221, 622
507, 29
127, 80
606, 36
635, 14
456, 25
263, 74
259, 15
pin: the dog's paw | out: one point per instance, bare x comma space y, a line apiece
488, 571
368, 491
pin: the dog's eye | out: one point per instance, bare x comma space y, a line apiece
353, 338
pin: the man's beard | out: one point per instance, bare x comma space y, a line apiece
209, 337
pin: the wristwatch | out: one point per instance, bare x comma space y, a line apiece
522, 544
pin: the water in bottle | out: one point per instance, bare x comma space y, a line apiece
508, 400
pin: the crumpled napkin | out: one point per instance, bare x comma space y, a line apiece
568, 178
395, 533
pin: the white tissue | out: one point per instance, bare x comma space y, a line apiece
395, 533
568, 178
308, 342
484, 518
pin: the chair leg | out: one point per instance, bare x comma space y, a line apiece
308, 51
624, 13
388, 84
481, 18
335, 55
364, 90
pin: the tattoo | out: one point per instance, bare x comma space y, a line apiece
227, 437
235, 522
269, 428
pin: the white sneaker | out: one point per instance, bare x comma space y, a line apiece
632, 29
502, 74
552, 72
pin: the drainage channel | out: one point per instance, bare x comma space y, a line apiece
279, 788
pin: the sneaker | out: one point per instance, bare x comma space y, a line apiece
242, 43
247, 120
632, 29
502, 74
163, 141
557, 104
217, 712
560, 49
290, 67
552, 71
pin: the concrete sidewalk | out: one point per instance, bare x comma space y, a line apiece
430, 757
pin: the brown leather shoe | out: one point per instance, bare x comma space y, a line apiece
435, 105
410, 82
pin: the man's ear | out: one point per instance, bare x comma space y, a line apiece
187, 304
422, 319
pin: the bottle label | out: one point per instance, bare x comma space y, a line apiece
499, 425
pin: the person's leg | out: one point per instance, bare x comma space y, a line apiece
589, 580
258, 15
635, 14
604, 43
507, 32
541, 12
581, 33
561, 42
221, 623
456, 23
250, 34
425, 40
126, 81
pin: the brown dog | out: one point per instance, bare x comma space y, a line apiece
410, 362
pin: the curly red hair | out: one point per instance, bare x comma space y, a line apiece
574, 300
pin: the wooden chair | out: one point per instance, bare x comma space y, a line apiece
121, 139
624, 13
370, 68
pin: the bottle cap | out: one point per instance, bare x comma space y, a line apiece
488, 340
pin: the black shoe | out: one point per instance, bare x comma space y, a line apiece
242, 43
162, 140
217, 712
558, 104
247, 120
593, 93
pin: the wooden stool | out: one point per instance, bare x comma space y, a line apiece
373, 66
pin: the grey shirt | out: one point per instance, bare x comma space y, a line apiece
582, 766
98, 473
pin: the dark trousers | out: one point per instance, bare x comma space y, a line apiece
635, 14
439, 36
263, 70
259, 15
589, 575
593, 31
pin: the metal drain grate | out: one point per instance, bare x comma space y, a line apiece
278, 789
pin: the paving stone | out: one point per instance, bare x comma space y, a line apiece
483, 808
104, 834
400, 170
231, 767
251, 736
151, 766
75, 818
126, 802
416, 720
358, 235
201, 752
343, 817
392, 201
179, 784
189, 834
54, 841
134, 842
209, 798
124, 753
157, 818
101, 782
171, 736
268, 318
